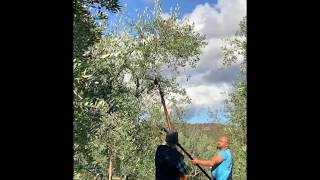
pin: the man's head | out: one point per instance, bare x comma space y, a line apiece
172, 138
223, 142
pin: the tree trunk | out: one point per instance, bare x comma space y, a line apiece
110, 169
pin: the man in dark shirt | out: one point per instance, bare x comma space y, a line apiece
169, 161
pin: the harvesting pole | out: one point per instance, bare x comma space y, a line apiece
170, 126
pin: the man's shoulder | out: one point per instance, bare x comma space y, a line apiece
162, 147
228, 151
167, 149
225, 153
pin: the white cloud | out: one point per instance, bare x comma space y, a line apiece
220, 20
203, 96
209, 84
208, 95
211, 55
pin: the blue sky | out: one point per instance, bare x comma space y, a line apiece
202, 116
186, 6
210, 82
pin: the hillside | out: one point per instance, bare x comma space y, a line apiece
208, 130
200, 141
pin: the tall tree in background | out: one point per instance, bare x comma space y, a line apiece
234, 52
85, 34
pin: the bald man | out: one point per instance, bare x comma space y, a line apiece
221, 163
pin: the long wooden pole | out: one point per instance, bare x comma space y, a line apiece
169, 122
170, 126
